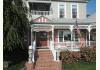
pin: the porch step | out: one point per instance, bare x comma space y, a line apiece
42, 47
44, 61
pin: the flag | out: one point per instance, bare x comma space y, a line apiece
77, 29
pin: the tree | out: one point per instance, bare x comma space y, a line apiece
15, 25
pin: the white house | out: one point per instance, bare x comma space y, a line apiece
55, 23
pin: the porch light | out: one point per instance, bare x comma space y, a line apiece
30, 54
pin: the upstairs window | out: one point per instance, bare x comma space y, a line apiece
74, 11
61, 11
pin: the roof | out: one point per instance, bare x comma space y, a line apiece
62, 21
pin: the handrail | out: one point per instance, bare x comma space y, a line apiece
74, 44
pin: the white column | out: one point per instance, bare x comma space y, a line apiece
31, 36
53, 50
89, 30
71, 29
52, 36
33, 45
30, 54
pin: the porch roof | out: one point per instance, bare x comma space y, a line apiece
67, 21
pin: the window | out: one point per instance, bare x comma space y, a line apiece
61, 11
64, 36
74, 11
60, 36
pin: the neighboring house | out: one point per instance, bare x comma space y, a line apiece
55, 23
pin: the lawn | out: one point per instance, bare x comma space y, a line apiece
75, 66
80, 66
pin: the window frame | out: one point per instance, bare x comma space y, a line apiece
63, 38
64, 7
77, 7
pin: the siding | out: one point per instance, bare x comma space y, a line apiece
82, 10
54, 5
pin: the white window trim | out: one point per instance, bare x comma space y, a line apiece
64, 9
77, 9
58, 9
63, 36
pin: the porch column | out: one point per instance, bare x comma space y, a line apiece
53, 36
52, 47
33, 43
89, 30
71, 29
31, 36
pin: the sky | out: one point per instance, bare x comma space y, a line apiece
91, 7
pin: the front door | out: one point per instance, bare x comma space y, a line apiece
42, 39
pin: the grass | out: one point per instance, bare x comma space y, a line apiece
80, 66
75, 66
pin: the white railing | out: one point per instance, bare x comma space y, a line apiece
34, 45
53, 50
33, 12
33, 50
73, 44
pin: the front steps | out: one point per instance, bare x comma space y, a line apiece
44, 61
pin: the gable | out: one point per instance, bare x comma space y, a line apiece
41, 19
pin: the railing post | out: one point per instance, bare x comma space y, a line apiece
30, 54
33, 49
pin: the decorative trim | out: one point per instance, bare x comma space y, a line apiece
65, 10
58, 9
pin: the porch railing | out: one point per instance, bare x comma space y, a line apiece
33, 12
73, 45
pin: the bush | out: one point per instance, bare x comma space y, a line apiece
76, 55
68, 57
88, 54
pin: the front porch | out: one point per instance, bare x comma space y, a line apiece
57, 38
62, 37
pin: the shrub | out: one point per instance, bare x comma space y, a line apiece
88, 54
76, 55
68, 57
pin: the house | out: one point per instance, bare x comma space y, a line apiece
56, 25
